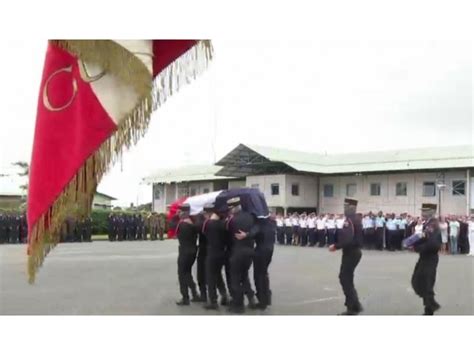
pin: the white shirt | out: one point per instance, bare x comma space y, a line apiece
279, 222
303, 223
471, 228
379, 222
311, 222
330, 223
419, 229
403, 223
320, 223
294, 221
454, 228
288, 222
368, 222
340, 223
391, 225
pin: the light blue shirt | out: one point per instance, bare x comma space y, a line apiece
391, 224
379, 221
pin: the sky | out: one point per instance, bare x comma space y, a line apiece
320, 96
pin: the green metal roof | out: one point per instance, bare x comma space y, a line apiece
186, 173
390, 160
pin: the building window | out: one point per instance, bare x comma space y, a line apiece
401, 189
205, 191
351, 190
328, 190
459, 187
254, 186
275, 189
295, 189
157, 192
193, 191
429, 189
375, 189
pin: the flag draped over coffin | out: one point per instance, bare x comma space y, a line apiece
96, 98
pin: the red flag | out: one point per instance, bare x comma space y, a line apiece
96, 98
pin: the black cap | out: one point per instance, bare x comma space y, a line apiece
350, 206
209, 207
185, 208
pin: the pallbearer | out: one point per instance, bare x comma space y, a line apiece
348, 241
187, 238
242, 228
214, 230
202, 252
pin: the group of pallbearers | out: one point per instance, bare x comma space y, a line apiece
230, 238
13, 228
76, 230
349, 233
135, 226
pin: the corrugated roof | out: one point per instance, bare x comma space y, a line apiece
186, 173
393, 160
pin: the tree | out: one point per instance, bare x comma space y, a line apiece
25, 170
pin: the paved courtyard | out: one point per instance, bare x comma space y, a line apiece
139, 278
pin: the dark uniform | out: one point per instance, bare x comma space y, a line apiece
424, 275
14, 229
242, 254
3, 229
187, 238
111, 227
201, 258
121, 227
263, 258
214, 230
23, 229
349, 240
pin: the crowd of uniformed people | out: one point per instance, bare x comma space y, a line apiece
13, 228
122, 226
378, 231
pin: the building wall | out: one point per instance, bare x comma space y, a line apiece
234, 184
307, 196
101, 202
388, 201
10, 202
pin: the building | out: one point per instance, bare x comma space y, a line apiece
102, 201
391, 181
172, 184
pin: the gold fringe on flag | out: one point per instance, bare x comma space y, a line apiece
76, 198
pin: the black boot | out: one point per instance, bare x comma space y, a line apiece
252, 304
203, 295
196, 297
237, 309
224, 300
211, 306
183, 302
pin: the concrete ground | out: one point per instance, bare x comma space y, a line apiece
139, 278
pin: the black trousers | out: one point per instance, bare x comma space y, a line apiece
281, 235
261, 261
369, 238
185, 277
321, 234
378, 238
350, 260
215, 281
303, 234
312, 236
289, 235
201, 271
424, 279
390, 239
331, 236
240, 262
